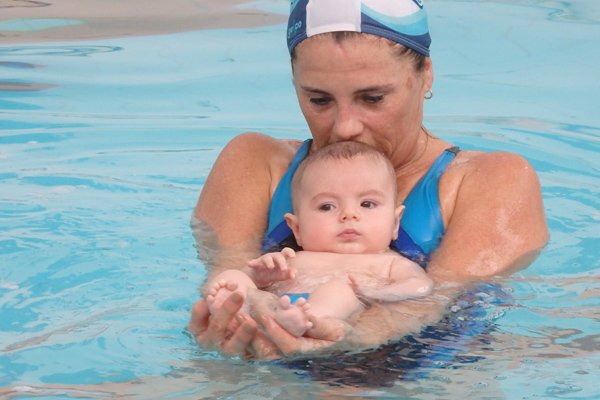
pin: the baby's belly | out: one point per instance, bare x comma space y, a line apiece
304, 284
307, 283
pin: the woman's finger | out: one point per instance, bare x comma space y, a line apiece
289, 344
199, 319
285, 342
216, 331
328, 329
241, 338
262, 348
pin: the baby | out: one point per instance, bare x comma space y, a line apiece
345, 217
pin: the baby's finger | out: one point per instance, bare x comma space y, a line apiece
288, 253
269, 262
264, 261
280, 261
255, 263
292, 273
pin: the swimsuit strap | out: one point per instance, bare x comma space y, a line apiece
421, 226
281, 203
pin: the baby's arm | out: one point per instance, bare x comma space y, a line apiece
406, 280
271, 267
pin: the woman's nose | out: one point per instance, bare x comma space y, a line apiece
347, 124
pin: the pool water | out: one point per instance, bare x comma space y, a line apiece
105, 146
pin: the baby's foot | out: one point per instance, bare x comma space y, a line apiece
294, 318
218, 293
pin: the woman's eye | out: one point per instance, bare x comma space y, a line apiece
367, 98
326, 207
367, 204
320, 101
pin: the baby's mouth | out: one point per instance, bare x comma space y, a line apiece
348, 234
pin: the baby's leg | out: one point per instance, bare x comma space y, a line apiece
333, 299
224, 284
293, 317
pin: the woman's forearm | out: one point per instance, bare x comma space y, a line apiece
385, 322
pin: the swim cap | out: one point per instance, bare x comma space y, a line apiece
403, 21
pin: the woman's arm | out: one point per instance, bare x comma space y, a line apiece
228, 224
494, 217
406, 280
234, 202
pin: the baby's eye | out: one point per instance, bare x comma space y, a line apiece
326, 207
368, 204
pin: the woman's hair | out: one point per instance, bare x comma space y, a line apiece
341, 151
417, 59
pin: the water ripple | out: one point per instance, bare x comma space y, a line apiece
68, 51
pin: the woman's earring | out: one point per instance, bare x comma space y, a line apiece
429, 94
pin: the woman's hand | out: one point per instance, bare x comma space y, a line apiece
325, 333
237, 334
221, 330
229, 331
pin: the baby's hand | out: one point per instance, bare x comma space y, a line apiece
272, 267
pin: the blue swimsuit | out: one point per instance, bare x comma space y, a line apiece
421, 226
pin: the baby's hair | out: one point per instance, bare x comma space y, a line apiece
340, 151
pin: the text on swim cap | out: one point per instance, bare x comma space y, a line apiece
294, 28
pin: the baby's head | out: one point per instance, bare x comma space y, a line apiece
344, 198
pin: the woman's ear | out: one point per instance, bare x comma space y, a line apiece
427, 74
292, 221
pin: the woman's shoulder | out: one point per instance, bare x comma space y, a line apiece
256, 148
259, 143
474, 176
497, 171
253, 152
475, 165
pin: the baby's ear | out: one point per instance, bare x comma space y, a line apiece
397, 217
399, 211
292, 221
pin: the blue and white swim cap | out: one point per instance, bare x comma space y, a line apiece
402, 21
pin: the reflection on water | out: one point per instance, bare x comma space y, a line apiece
101, 170
62, 51
23, 86
16, 64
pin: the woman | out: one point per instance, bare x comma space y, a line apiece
362, 72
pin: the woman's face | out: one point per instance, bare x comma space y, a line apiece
360, 90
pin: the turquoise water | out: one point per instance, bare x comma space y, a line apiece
105, 145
